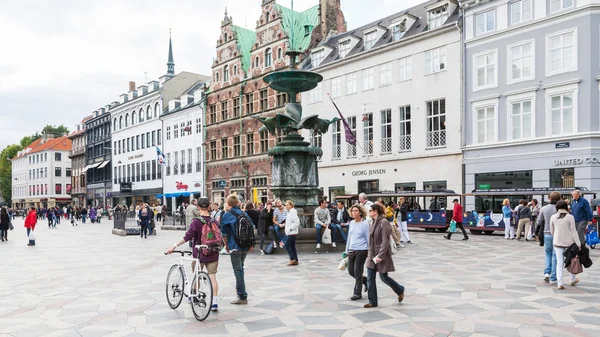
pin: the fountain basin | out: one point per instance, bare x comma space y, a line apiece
293, 80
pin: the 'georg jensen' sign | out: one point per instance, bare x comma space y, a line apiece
577, 161
368, 172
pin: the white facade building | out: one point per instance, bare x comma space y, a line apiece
397, 82
182, 145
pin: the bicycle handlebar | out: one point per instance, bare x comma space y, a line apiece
183, 252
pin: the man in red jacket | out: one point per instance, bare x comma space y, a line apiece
30, 223
457, 215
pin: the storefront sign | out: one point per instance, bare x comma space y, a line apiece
576, 161
222, 183
562, 145
368, 172
136, 156
485, 186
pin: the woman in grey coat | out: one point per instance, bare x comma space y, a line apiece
380, 255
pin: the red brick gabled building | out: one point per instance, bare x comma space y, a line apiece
236, 152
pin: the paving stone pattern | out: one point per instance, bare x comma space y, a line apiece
84, 281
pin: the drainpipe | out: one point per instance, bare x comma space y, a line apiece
463, 90
204, 144
242, 86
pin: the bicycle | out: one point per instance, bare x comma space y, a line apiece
199, 291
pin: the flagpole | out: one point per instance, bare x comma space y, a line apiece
356, 142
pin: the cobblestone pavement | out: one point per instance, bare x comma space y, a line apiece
84, 281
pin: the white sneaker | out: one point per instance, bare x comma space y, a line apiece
274, 244
400, 245
546, 278
333, 245
318, 246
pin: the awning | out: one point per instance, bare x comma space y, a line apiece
159, 196
103, 164
91, 166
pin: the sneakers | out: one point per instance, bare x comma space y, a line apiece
446, 237
224, 251
214, 307
274, 244
262, 252
547, 278
239, 301
465, 238
280, 244
400, 245
574, 282
561, 287
552, 282
318, 246
333, 245
409, 241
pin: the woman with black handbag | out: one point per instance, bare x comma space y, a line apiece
564, 234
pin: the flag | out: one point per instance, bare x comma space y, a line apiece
162, 160
350, 137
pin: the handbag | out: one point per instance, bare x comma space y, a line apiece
452, 226
268, 249
575, 266
393, 248
343, 264
326, 238
31, 236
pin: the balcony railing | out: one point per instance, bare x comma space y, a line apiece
76, 152
198, 166
405, 143
336, 152
436, 139
386, 145
351, 151
168, 170
182, 168
368, 147
175, 170
189, 168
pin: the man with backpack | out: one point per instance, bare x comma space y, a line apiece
204, 231
237, 230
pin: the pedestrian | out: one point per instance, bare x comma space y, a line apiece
363, 200
4, 224
535, 213
582, 212
265, 222
159, 212
30, 223
507, 213
389, 211
209, 258
252, 213
236, 243
279, 218
402, 220
544, 220
357, 248
164, 213
322, 219
565, 234
216, 212
524, 213
93, 214
379, 259
84, 213
191, 212
457, 216
339, 220
292, 225
144, 215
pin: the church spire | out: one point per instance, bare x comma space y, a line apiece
170, 63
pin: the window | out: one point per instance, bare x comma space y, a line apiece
370, 39
152, 169
58, 172
405, 128
435, 60
268, 57
316, 140
176, 131
213, 150
436, 123
168, 132
316, 95
57, 156
350, 85
237, 146
264, 141
212, 115
437, 17
149, 113
279, 53
562, 52
158, 136
558, 5
368, 133
143, 172
317, 57
58, 188
336, 87
217, 79
405, 69
386, 131
368, 78
144, 140
521, 11
224, 112
154, 136
67, 172
198, 158
256, 62
486, 125
562, 114
141, 115
385, 74
249, 144
336, 136
521, 120
249, 103
485, 72
398, 30
236, 107
521, 62
351, 148
264, 100
224, 148
562, 178
282, 99
226, 74
235, 70
485, 22
176, 163
344, 48
137, 141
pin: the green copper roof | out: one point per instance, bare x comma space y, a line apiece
293, 24
245, 40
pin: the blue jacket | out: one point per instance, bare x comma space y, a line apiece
581, 210
228, 227
506, 211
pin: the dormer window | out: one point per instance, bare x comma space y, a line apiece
226, 74
317, 57
370, 39
398, 30
437, 17
344, 48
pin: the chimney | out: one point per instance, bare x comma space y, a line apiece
131, 86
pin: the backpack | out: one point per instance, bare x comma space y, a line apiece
389, 213
210, 236
244, 231
145, 211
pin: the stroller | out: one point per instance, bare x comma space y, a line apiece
591, 236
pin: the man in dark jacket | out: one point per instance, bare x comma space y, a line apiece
339, 220
582, 212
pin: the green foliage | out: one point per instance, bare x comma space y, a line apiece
25, 141
57, 131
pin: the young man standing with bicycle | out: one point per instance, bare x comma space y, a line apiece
237, 230
209, 258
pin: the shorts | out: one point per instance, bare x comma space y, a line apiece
211, 267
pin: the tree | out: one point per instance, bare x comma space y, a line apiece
25, 141
57, 131
9, 152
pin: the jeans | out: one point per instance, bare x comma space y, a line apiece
509, 231
372, 291
318, 228
277, 230
3, 234
560, 267
144, 229
290, 246
356, 267
581, 227
237, 262
462, 228
550, 268
335, 227
83, 216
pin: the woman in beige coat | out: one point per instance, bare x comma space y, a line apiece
564, 234
380, 255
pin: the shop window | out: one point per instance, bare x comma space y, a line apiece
400, 187
562, 178
368, 186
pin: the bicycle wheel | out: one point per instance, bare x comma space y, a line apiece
202, 297
175, 286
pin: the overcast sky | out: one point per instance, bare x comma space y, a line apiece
62, 59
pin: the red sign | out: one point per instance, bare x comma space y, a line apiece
181, 186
